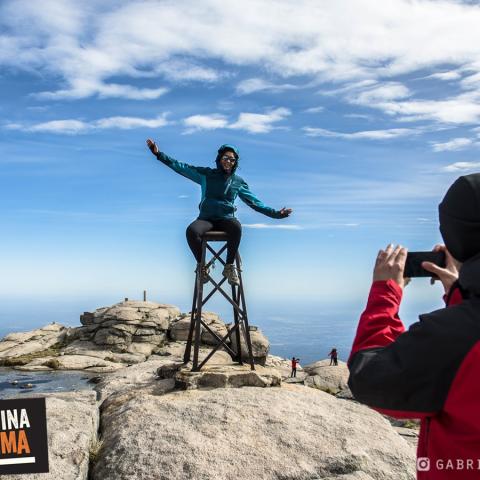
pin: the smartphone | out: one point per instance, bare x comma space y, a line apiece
413, 265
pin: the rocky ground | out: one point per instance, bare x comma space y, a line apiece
150, 417
111, 338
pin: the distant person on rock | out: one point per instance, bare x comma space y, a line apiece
220, 187
295, 362
430, 371
333, 357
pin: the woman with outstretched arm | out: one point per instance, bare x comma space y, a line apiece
220, 188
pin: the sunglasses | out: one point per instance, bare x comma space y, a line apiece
228, 159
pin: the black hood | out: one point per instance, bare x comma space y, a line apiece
459, 215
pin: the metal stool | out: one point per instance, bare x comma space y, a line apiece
236, 299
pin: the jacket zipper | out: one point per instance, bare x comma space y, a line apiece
229, 183
423, 452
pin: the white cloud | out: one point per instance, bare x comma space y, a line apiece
62, 16
462, 167
73, 127
471, 81
112, 90
358, 115
251, 122
181, 70
315, 109
205, 122
393, 99
107, 49
125, 123
460, 109
381, 93
86, 44
455, 144
272, 226
366, 134
352, 86
252, 85
260, 122
60, 126
451, 75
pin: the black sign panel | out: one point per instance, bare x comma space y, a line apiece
23, 436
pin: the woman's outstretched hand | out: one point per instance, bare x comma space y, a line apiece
152, 146
285, 212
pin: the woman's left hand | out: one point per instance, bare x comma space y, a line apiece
285, 212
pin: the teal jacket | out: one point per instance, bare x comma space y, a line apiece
219, 190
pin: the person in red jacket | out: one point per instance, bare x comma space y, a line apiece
432, 370
294, 366
333, 356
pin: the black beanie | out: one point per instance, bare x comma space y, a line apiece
459, 214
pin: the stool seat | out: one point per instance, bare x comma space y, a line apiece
215, 236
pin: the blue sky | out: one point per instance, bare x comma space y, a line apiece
358, 115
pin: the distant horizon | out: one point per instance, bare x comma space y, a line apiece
293, 328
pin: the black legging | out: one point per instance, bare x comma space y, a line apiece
197, 228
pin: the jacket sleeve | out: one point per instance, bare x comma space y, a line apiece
189, 171
404, 374
253, 202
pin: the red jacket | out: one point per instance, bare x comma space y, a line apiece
431, 372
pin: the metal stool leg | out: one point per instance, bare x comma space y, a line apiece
198, 311
188, 348
236, 320
248, 340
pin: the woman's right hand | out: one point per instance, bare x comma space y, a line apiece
152, 146
447, 275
